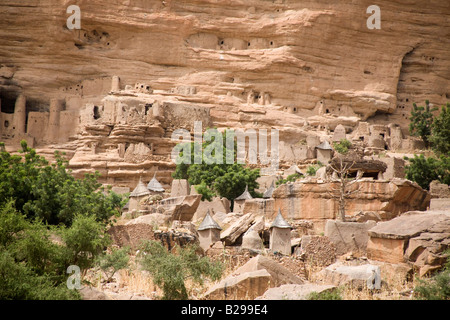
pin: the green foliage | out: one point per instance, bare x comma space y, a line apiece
112, 262
342, 146
11, 223
333, 294
436, 288
210, 177
422, 121
424, 170
289, 178
170, 270
19, 282
32, 266
49, 192
85, 240
48, 221
312, 170
440, 132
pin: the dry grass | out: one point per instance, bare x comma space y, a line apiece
135, 282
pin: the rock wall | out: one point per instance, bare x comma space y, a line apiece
303, 67
383, 199
299, 55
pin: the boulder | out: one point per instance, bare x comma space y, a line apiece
361, 276
294, 291
89, 293
181, 208
153, 219
311, 200
245, 286
419, 238
279, 274
252, 241
217, 204
408, 225
235, 230
348, 236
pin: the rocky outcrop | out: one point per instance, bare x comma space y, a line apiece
348, 236
252, 279
237, 228
294, 291
250, 50
361, 276
131, 235
312, 200
110, 95
417, 238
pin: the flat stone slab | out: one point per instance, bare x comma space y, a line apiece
245, 286
408, 225
280, 275
363, 275
294, 291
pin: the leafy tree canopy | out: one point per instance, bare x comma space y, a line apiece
422, 121
213, 175
49, 192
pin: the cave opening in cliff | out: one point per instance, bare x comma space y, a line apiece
148, 106
96, 113
7, 103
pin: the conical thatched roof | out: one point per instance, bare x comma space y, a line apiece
154, 185
324, 146
208, 223
268, 193
245, 195
140, 190
280, 222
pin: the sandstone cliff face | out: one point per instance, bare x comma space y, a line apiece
299, 55
303, 67
317, 202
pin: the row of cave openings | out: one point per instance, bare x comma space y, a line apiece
96, 114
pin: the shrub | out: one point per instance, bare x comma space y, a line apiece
342, 146
440, 132
49, 192
333, 294
424, 170
85, 240
111, 263
422, 121
289, 178
170, 270
436, 288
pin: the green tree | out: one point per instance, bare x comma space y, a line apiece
112, 262
170, 270
214, 176
84, 241
422, 121
440, 132
424, 170
32, 265
49, 191
19, 282
342, 146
